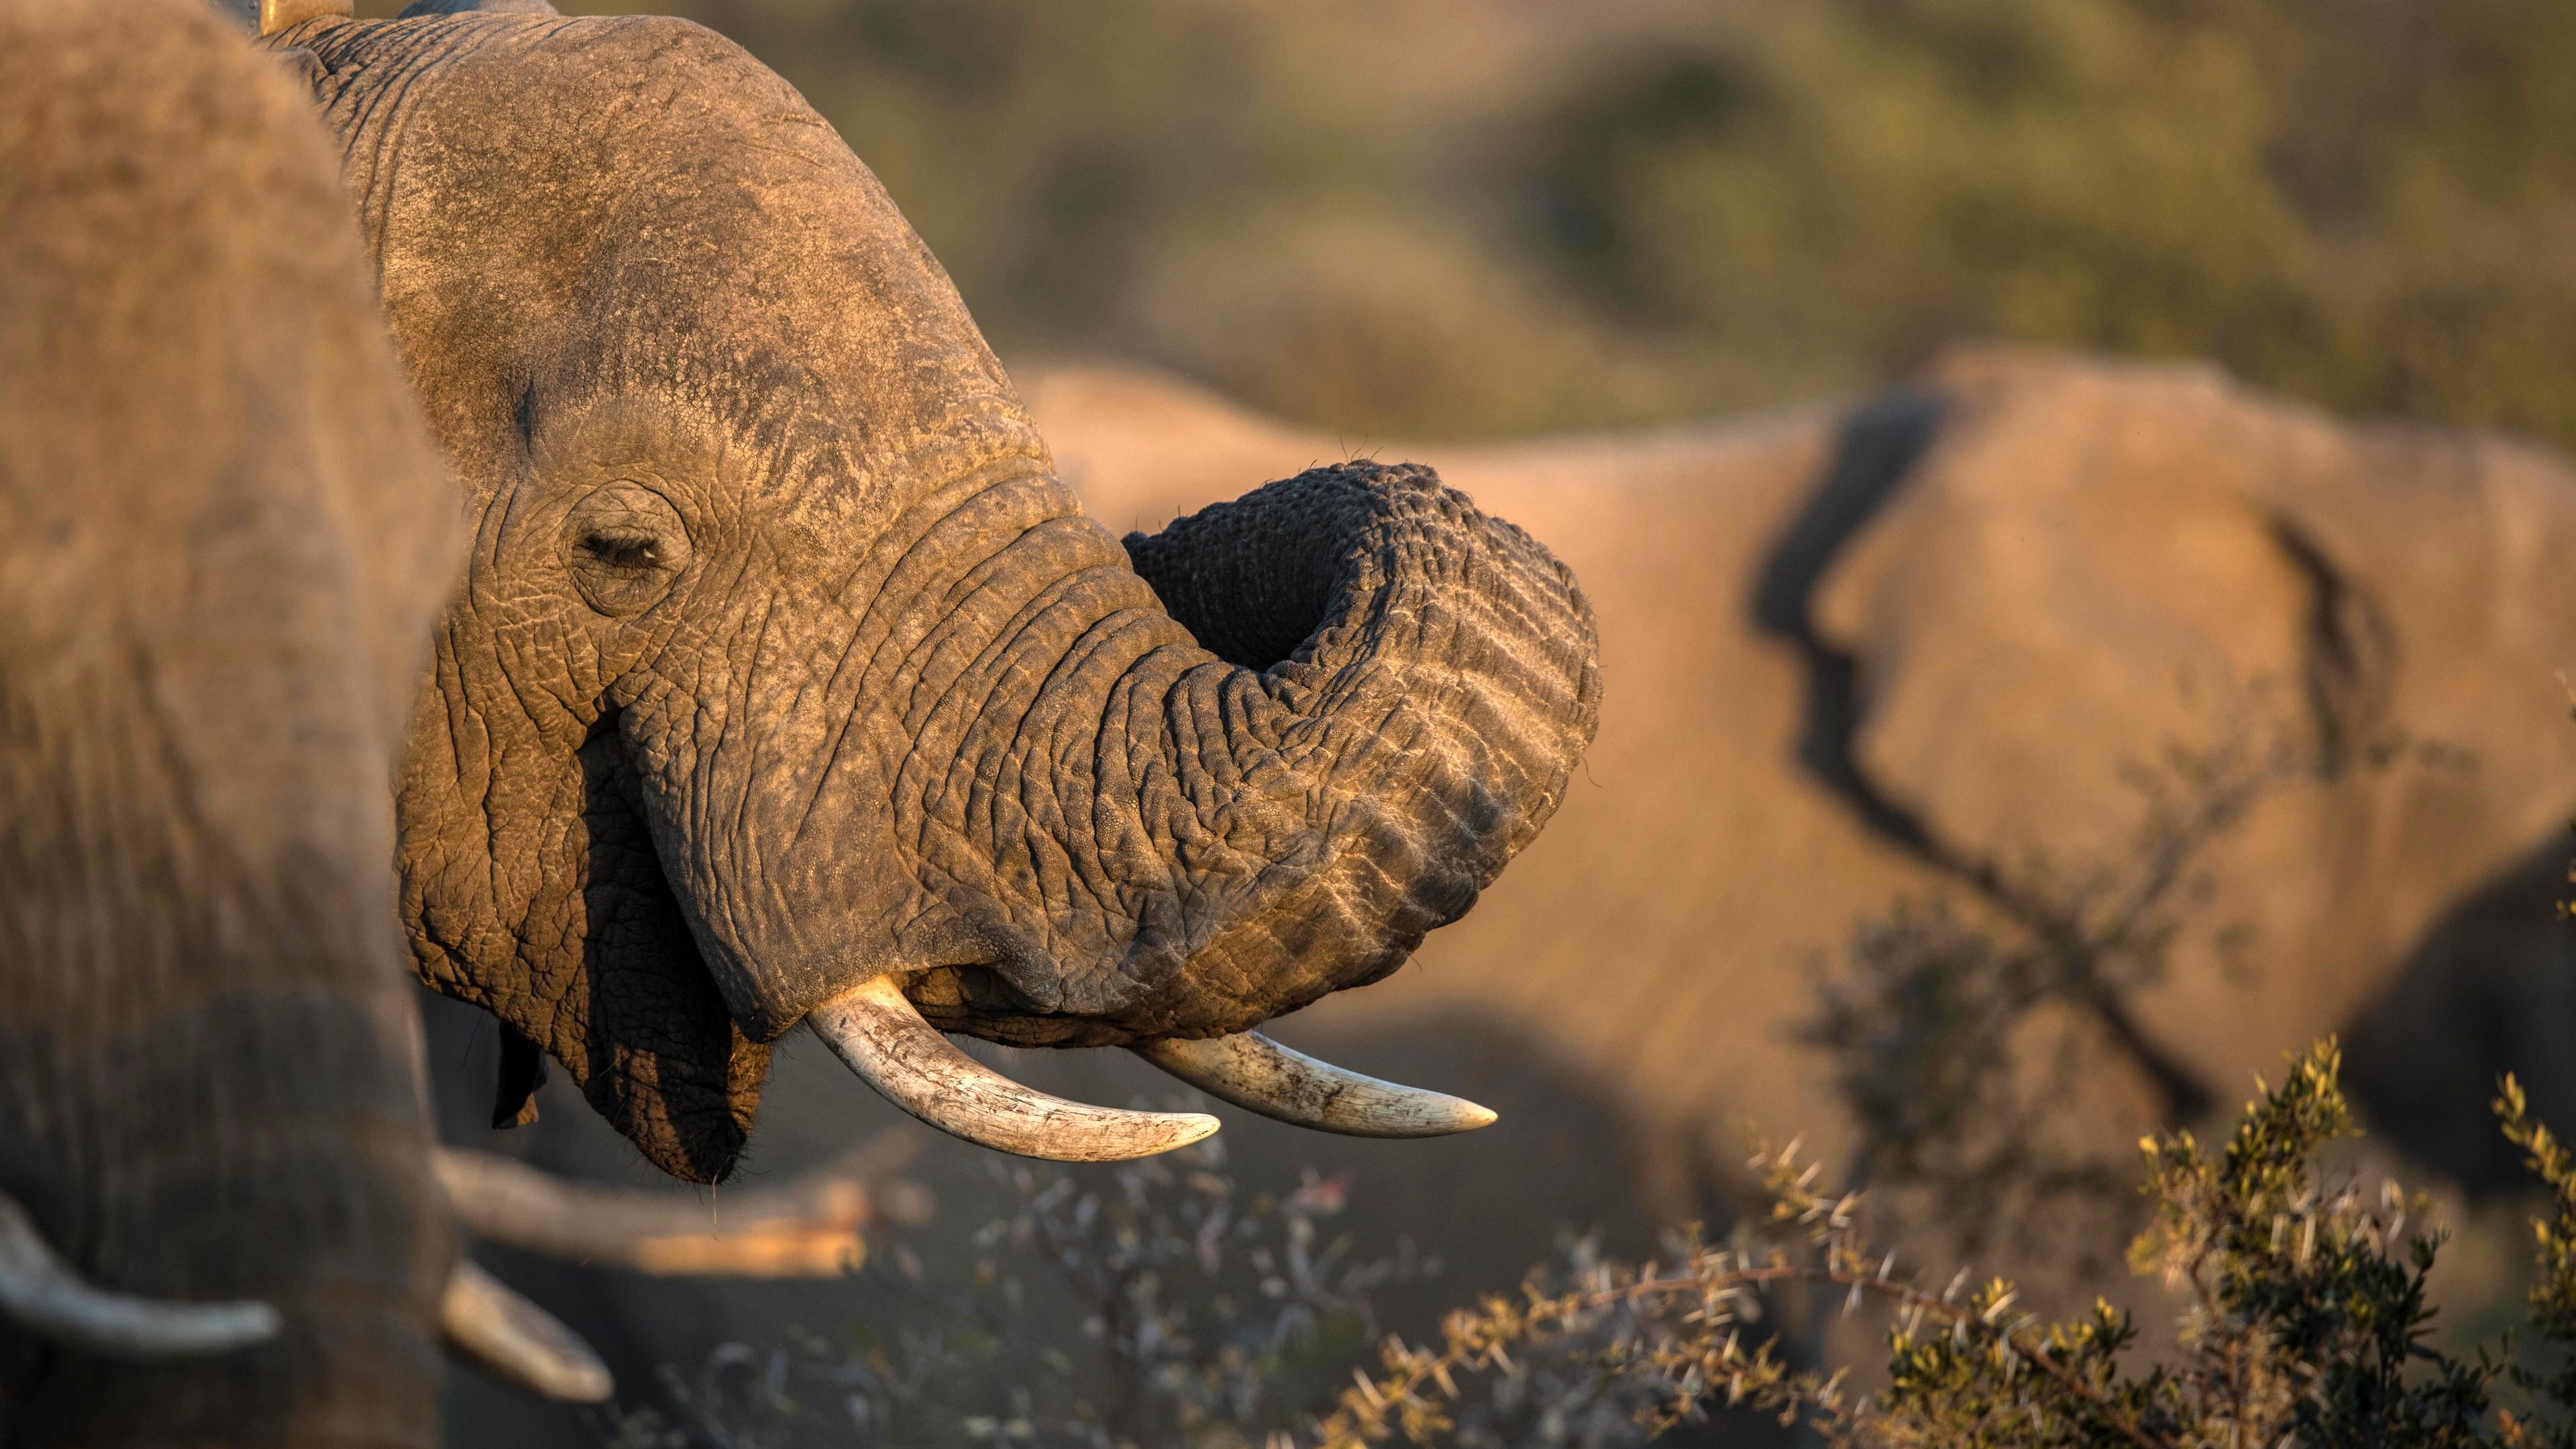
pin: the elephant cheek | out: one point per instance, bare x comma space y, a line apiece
549, 907
790, 877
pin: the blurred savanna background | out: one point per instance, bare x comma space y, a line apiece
1458, 223
1452, 218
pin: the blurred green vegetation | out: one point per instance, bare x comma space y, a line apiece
1492, 216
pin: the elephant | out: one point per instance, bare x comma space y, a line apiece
786, 684
779, 682
228, 536
221, 1219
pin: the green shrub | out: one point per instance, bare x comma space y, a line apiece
2363, 204
2308, 1322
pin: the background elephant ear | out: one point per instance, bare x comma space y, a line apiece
2088, 583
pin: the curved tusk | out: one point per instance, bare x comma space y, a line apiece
884, 1039
1259, 1075
44, 1293
518, 1340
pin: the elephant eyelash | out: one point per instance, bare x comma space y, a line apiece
624, 550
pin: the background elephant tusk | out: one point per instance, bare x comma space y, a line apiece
808, 1227
885, 1040
516, 1339
41, 1291
1259, 1075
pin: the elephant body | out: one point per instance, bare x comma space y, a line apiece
227, 533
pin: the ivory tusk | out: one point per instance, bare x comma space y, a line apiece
808, 1227
884, 1039
1259, 1075
44, 1294
518, 1340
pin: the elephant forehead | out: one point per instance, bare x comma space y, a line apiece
633, 203
604, 90
735, 426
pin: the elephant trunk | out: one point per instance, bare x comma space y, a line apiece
1434, 678
1094, 796
1400, 690
259, 1144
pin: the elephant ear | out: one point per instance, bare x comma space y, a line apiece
2097, 579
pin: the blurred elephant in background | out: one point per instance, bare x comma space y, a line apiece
227, 535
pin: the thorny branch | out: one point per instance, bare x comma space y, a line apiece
1717, 1278
2308, 1321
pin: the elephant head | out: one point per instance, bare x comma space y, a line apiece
786, 683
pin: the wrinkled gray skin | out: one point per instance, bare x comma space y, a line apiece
783, 661
226, 535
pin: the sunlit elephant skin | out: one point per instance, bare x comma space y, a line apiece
226, 537
1875, 643
783, 662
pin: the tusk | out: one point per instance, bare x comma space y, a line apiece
518, 1340
1259, 1075
44, 1293
884, 1039
809, 1227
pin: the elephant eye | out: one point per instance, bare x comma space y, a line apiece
624, 547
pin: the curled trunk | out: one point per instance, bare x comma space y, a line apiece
1400, 689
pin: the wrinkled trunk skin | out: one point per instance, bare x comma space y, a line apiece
896, 707
226, 534
1398, 690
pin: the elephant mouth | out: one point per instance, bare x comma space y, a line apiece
881, 1035
877, 1030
